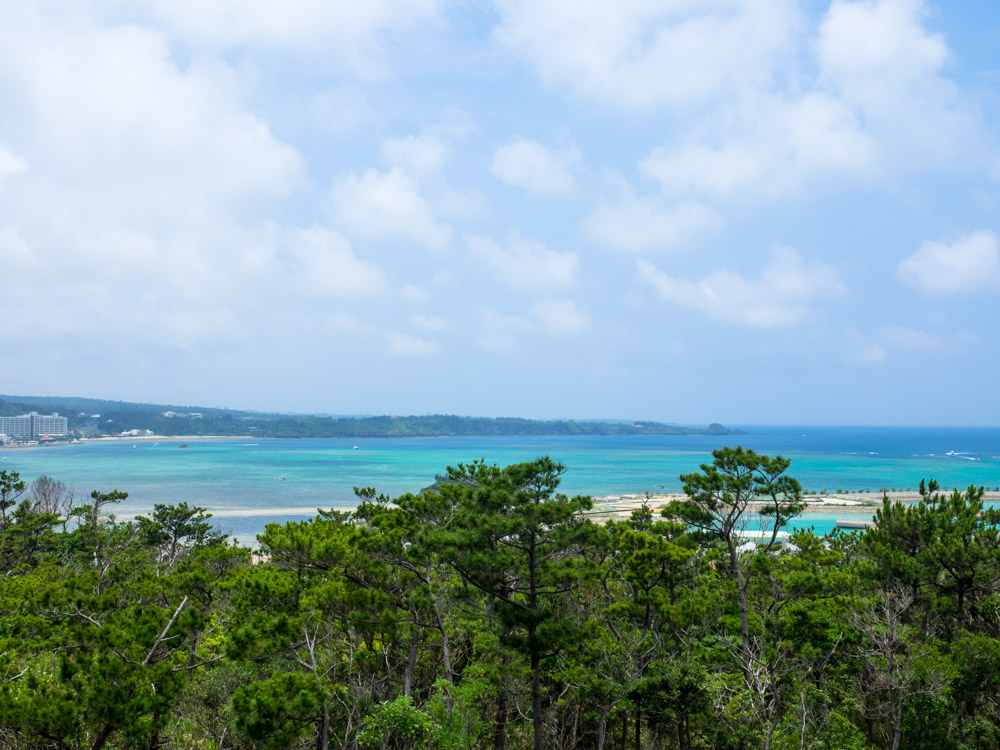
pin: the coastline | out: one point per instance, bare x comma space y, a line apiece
608, 502
860, 503
129, 439
173, 438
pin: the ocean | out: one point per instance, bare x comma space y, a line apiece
246, 483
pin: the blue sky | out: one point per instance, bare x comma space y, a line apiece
691, 211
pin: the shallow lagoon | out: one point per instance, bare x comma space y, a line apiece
247, 483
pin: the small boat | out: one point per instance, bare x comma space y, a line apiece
183, 445
156, 445
354, 448
280, 479
134, 445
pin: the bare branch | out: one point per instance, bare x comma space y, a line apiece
177, 613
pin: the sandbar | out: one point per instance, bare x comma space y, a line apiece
864, 503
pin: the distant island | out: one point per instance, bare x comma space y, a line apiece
90, 417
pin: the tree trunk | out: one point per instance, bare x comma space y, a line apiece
897, 724
499, 734
741, 589
775, 709
638, 725
602, 725
411, 662
769, 734
449, 672
537, 719
192, 655
102, 737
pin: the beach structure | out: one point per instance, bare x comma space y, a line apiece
750, 539
33, 425
854, 524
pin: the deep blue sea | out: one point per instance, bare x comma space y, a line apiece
247, 483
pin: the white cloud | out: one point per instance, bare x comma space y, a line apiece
868, 98
405, 202
499, 331
419, 295
334, 111
333, 29
778, 144
431, 322
417, 155
404, 344
911, 339
537, 169
344, 323
969, 264
187, 327
902, 341
765, 105
147, 184
9, 164
560, 317
15, 252
878, 57
644, 53
388, 206
864, 44
442, 278
413, 293
783, 294
861, 39
866, 354
525, 264
325, 264
460, 205
153, 188
635, 225
113, 114
498, 342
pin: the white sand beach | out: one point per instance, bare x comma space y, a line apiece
864, 503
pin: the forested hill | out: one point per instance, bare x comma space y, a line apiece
493, 613
118, 416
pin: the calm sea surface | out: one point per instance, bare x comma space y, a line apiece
247, 483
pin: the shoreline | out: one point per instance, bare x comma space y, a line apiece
861, 503
157, 438
129, 439
617, 505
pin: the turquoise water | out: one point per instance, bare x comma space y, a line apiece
237, 479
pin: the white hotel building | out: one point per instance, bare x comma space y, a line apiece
33, 425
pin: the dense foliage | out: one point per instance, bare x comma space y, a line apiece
490, 612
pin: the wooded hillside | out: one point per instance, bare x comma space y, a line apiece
491, 613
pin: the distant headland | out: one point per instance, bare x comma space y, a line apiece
88, 417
